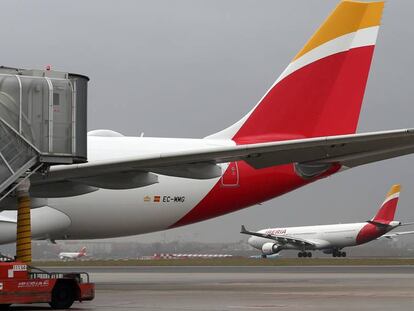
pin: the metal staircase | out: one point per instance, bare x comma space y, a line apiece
16, 156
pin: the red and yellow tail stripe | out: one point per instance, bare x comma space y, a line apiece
352, 24
349, 17
393, 193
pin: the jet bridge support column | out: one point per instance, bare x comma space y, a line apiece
24, 230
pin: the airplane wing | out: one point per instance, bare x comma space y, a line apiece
348, 150
395, 234
280, 239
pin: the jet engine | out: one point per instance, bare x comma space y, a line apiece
310, 170
270, 248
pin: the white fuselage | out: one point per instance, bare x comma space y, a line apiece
322, 236
75, 255
124, 212
111, 213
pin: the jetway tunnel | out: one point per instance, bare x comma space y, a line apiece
43, 115
42, 121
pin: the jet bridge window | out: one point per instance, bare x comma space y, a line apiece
35, 111
10, 100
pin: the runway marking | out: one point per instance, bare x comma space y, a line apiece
255, 307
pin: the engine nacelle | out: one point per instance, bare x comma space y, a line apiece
270, 248
311, 170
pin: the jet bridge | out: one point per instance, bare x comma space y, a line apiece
42, 122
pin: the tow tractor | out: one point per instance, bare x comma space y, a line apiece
24, 284
42, 123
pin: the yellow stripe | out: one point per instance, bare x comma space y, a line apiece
348, 16
394, 189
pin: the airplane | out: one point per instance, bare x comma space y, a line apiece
302, 130
73, 255
330, 239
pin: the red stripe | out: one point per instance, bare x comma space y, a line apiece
368, 233
387, 211
255, 186
322, 98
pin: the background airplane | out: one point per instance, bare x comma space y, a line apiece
302, 130
330, 239
73, 255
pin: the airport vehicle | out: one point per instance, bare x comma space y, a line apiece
302, 130
330, 239
73, 255
21, 284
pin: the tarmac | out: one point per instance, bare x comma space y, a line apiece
248, 288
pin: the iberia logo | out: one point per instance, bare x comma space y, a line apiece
157, 198
147, 199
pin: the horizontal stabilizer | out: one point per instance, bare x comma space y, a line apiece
395, 234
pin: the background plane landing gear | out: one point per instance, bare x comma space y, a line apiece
264, 256
337, 253
304, 254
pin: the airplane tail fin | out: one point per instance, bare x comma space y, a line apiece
320, 93
82, 251
387, 211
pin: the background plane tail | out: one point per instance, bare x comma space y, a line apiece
387, 211
321, 91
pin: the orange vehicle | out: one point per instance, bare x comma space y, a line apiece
22, 284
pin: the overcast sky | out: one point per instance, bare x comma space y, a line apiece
190, 68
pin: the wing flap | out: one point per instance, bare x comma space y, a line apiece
348, 150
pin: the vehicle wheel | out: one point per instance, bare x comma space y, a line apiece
300, 254
334, 254
343, 254
309, 254
63, 296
